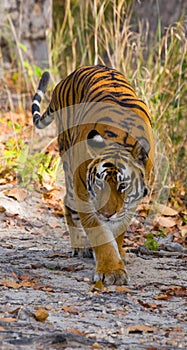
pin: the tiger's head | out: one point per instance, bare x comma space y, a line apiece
116, 178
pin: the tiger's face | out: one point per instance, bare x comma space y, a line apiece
115, 186
115, 178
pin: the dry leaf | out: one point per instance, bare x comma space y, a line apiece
39, 287
171, 291
12, 284
76, 331
2, 209
41, 314
3, 181
144, 207
28, 284
54, 199
161, 297
165, 222
15, 311
17, 193
8, 319
71, 309
183, 231
24, 278
59, 255
139, 328
121, 289
167, 211
149, 305
96, 346
179, 291
14, 275
59, 213
98, 286
10, 205
15, 285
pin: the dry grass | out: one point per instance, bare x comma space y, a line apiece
95, 31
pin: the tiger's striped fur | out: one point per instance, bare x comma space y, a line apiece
106, 144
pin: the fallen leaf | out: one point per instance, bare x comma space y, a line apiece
151, 306
98, 286
28, 284
3, 181
162, 297
41, 314
39, 287
16, 285
96, 346
75, 331
14, 275
19, 194
121, 289
165, 222
179, 291
59, 213
2, 209
183, 231
15, 311
48, 289
10, 205
8, 319
24, 278
139, 328
144, 207
120, 312
177, 329
73, 268
59, 255
12, 284
167, 211
71, 309
54, 199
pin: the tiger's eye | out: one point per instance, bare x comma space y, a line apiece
122, 187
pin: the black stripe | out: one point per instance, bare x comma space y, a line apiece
60, 93
35, 107
36, 118
44, 82
86, 82
37, 97
134, 106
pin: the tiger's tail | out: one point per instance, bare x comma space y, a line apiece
41, 121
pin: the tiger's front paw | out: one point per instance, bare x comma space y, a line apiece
118, 277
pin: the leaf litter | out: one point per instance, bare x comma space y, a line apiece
40, 283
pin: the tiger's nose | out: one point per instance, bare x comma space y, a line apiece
107, 215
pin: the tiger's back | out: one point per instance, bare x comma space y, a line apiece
106, 144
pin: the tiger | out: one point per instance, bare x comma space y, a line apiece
106, 143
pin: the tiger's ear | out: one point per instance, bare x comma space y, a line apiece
140, 151
95, 140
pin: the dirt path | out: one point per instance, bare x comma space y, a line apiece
37, 271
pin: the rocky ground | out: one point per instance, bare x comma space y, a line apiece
48, 300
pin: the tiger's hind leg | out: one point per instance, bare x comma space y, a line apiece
79, 241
